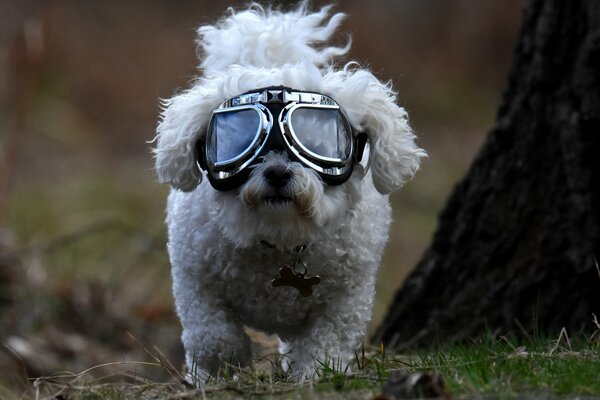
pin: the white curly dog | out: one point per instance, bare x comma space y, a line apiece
286, 231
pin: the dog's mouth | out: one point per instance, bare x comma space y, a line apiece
277, 199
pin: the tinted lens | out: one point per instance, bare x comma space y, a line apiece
324, 132
231, 133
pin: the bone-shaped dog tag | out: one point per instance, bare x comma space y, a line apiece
288, 277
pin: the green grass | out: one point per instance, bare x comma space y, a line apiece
509, 369
491, 368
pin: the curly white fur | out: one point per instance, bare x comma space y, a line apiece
221, 271
268, 38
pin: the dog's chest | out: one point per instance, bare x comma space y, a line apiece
247, 280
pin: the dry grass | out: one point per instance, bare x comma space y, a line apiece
488, 368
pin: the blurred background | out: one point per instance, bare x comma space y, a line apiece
84, 274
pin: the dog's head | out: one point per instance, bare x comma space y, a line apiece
281, 194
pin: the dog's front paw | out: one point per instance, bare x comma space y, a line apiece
197, 377
303, 367
299, 372
211, 355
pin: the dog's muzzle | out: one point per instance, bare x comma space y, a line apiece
310, 127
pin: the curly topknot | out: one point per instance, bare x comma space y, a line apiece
269, 37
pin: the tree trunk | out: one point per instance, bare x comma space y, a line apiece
517, 242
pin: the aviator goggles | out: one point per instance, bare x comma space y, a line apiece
310, 127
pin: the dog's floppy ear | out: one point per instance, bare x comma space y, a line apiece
183, 122
394, 156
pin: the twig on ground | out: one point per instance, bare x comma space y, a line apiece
597, 324
73, 378
161, 360
563, 334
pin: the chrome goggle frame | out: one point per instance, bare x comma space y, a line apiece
228, 168
322, 164
227, 174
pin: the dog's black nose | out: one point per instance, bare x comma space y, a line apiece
278, 175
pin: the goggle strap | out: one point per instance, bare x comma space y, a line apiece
361, 142
201, 154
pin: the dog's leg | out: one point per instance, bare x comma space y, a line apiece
212, 337
329, 338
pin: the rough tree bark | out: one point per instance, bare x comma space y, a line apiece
517, 241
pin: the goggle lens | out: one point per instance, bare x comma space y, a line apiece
231, 134
323, 132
